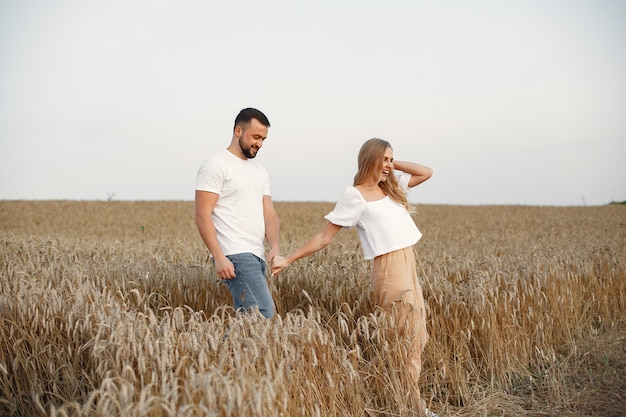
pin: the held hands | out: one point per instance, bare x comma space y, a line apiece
278, 264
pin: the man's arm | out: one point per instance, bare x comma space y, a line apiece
272, 227
419, 173
205, 203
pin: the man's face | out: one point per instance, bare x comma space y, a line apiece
251, 137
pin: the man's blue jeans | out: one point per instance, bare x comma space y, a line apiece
249, 287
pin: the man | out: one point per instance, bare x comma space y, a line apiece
235, 213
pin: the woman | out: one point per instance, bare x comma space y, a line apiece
377, 205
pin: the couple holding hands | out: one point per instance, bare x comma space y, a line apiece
235, 215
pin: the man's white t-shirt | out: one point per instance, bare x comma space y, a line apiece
238, 215
383, 226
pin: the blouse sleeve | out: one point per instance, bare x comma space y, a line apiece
348, 209
403, 180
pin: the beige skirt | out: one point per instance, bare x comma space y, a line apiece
394, 282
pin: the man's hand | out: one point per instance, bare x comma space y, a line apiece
272, 254
278, 264
224, 268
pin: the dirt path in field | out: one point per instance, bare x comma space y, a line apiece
599, 381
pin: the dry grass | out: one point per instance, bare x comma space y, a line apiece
110, 308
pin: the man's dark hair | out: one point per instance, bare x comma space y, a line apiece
246, 115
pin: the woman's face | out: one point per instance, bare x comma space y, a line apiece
387, 165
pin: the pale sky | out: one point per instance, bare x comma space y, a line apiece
510, 102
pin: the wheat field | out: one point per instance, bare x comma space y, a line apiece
112, 309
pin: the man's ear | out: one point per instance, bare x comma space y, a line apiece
238, 130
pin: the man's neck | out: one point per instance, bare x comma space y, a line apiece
236, 150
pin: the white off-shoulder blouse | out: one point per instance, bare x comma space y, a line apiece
383, 225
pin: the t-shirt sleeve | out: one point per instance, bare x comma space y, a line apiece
266, 183
210, 177
348, 209
403, 180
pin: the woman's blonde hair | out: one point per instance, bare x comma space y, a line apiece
370, 161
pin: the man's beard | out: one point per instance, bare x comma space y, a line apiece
249, 152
